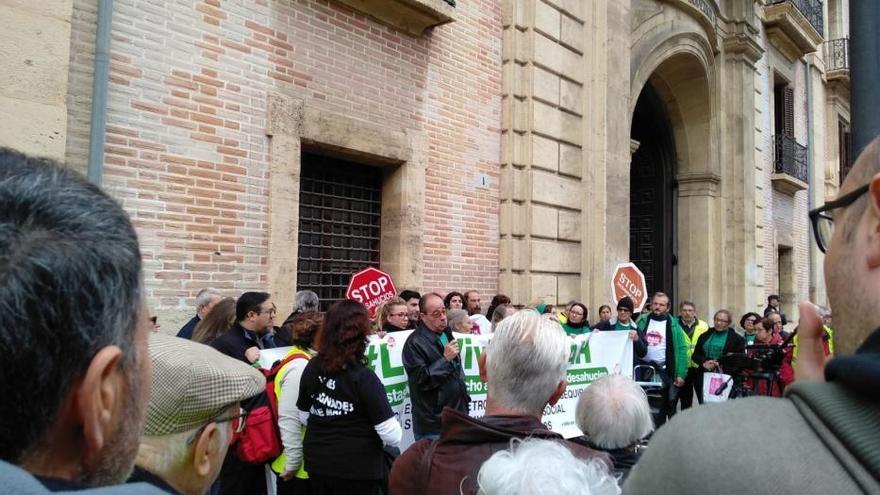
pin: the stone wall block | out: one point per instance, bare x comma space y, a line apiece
572, 33
556, 123
574, 8
554, 190
544, 221
542, 289
571, 226
558, 58
545, 153
546, 86
547, 20
571, 160
571, 96
555, 256
569, 288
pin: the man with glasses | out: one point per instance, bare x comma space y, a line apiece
253, 329
193, 413
693, 328
433, 369
825, 428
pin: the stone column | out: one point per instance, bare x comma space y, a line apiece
285, 123
608, 147
542, 193
739, 275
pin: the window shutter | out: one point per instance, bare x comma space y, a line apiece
788, 111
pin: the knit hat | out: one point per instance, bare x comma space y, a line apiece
625, 303
193, 384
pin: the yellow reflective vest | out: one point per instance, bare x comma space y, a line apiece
281, 460
700, 327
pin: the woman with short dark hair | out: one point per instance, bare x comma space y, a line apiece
454, 300
349, 418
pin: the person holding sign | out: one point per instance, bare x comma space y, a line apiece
714, 344
433, 369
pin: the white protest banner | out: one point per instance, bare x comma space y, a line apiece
591, 356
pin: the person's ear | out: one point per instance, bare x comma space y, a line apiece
99, 401
873, 248
206, 451
557, 394
481, 363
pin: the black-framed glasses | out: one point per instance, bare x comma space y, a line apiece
823, 224
238, 421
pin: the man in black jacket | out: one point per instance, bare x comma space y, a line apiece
433, 369
252, 330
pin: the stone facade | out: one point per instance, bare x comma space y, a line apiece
502, 130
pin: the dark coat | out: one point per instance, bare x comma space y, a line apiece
440, 467
770, 309
186, 331
434, 382
236, 340
735, 344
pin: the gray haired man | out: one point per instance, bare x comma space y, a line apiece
75, 378
193, 412
205, 301
524, 366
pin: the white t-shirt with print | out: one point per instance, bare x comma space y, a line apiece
655, 336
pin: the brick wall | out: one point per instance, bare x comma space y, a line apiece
186, 150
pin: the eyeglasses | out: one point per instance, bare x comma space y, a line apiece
400, 315
436, 314
718, 320
270, 311
238, 421
823, 224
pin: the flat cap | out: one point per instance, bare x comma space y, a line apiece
194, 383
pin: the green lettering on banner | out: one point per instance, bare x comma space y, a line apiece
470, 352
397, 393
371, 355
475, 386
585, 375
388, 371
580, 353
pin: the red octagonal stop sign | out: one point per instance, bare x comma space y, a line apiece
371, 287
628, 280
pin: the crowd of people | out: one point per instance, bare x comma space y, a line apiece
96, 401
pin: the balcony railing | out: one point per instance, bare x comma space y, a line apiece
837, 54
789, 157
811, 9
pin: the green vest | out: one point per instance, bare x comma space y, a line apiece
281, 460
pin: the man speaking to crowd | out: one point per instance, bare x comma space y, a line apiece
824, 434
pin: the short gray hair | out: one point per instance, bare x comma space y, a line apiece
71, 270
613, 412
203, 298
165, 455
525, 361
455, 316
543, 466
306, 300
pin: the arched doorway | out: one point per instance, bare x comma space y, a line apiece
652, 204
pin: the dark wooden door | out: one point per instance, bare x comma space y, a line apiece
651, 224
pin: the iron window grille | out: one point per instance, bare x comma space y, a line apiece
789, 157
339, 224
811, 10
837, 54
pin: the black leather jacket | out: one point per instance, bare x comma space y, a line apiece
434, 382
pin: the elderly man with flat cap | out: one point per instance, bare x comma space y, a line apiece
193, 412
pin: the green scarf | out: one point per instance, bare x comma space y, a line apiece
714, 345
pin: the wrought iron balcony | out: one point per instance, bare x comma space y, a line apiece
837, 54
811, 10
789, 164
